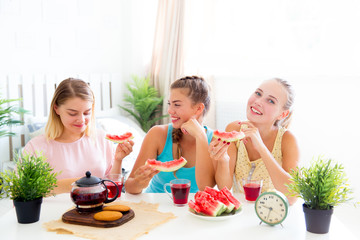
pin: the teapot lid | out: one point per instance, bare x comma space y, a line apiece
88, 180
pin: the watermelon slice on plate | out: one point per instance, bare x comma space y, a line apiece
215, 204
231, 198
205, 204
220, 196
169, 166
119, 138
228, 136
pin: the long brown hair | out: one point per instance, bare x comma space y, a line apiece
67, 89
198, 92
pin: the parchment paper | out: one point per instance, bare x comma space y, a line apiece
146, 218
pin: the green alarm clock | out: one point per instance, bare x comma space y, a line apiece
272, 207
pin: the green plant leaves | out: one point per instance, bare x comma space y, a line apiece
143, 102
6, 116
322, 185
32, 179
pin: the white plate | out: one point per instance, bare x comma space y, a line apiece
224, 216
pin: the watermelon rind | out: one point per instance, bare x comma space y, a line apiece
223, 214
222, 210
233, 212
228, 136
169, 166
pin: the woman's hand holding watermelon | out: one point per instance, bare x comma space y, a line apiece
123, 149
219, 146
218, 150
143, 175
252, 134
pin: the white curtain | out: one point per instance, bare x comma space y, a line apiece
167, 56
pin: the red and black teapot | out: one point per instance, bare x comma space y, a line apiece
89, 193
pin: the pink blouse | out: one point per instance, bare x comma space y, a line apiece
74, 159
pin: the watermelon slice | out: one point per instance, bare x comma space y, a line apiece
228, 136
231, 198
212, 202
169, 166
220, 196
207, 204
119, 139
194, 207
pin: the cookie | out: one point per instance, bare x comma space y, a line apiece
107, 216
119, 208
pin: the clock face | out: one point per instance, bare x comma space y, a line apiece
271, 208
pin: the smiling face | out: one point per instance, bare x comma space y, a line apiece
75, 115
266, 104
181, 108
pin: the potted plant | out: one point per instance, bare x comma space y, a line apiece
143, 102
322, 186
32, 180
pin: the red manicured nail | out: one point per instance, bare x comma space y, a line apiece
219, 139
228, 143
224, 141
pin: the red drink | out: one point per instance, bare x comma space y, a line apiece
252, 191
88, 198
112, 188
180, 193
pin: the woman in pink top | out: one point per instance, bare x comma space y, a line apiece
71, 142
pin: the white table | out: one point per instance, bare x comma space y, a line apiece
185, 226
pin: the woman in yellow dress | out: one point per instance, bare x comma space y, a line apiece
268, 150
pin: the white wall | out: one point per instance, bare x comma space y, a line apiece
89, 39
76, 37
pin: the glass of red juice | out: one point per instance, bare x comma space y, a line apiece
180, 189
252, 189
118, 178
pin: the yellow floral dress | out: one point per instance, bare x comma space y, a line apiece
243, 165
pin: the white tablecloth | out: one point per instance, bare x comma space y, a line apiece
185, 226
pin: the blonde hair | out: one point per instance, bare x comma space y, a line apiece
199, 92
67, 89
288, 105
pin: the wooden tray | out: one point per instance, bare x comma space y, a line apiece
87, 219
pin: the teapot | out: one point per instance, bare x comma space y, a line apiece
89, 193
